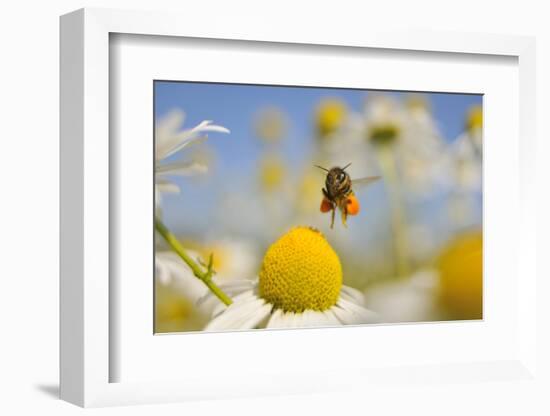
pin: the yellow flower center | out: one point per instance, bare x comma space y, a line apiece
474, 119
417, 102
331, 114
301, 271
271, 125
272, 173
461, 271
383, 133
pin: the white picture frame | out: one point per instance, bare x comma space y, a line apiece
86, 262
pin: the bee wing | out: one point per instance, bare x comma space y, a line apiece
362, 182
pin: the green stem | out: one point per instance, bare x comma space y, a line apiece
204, 276
387, 163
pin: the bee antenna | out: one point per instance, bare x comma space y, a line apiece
347, 166
320, 167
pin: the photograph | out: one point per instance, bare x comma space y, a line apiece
293, 206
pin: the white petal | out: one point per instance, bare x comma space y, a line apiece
282, 319
209, 305
181, 275
175, 143
165, 131
238, 314
163, 185
275, 320
169, 145
181, 168
207, 126
306, 319
353, 313
222, 307
172, 121
218, 309
344, 316
169, 124
313, 318
162, 272
298, 320
236, 287
352, 295
232, 289
287, 320
331, 318
291, 320
257, 317
238, 283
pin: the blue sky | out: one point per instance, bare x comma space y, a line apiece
235, 106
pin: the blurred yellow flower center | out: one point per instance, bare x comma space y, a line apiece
383, 133
271, 125
474, 120
417, 102
330, 116
308, 192
272, 172
301, 271
461, 270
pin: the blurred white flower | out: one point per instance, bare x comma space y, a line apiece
408, 299
330, 116
170, 270
271, 124
410, 131
169, 267
171, 139
426, 164
177, 294
466, 153
233, 258
425, 244
467, 156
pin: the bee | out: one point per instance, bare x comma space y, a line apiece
338, 192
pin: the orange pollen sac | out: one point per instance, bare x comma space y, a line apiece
353, 205
326, 205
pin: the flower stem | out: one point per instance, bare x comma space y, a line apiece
386, 158
204, 276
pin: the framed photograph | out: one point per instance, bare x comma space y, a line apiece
269, 211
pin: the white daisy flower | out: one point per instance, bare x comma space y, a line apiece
417, 145
171, 271
171, 139
466, 153
299, 286
177, 292
271, 124
233, 258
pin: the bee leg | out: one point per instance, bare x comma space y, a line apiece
332, 218
344, 217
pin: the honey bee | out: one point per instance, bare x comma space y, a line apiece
338, 192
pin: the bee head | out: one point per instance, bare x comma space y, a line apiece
338, 178
337, 175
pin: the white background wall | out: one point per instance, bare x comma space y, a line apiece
29, 56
